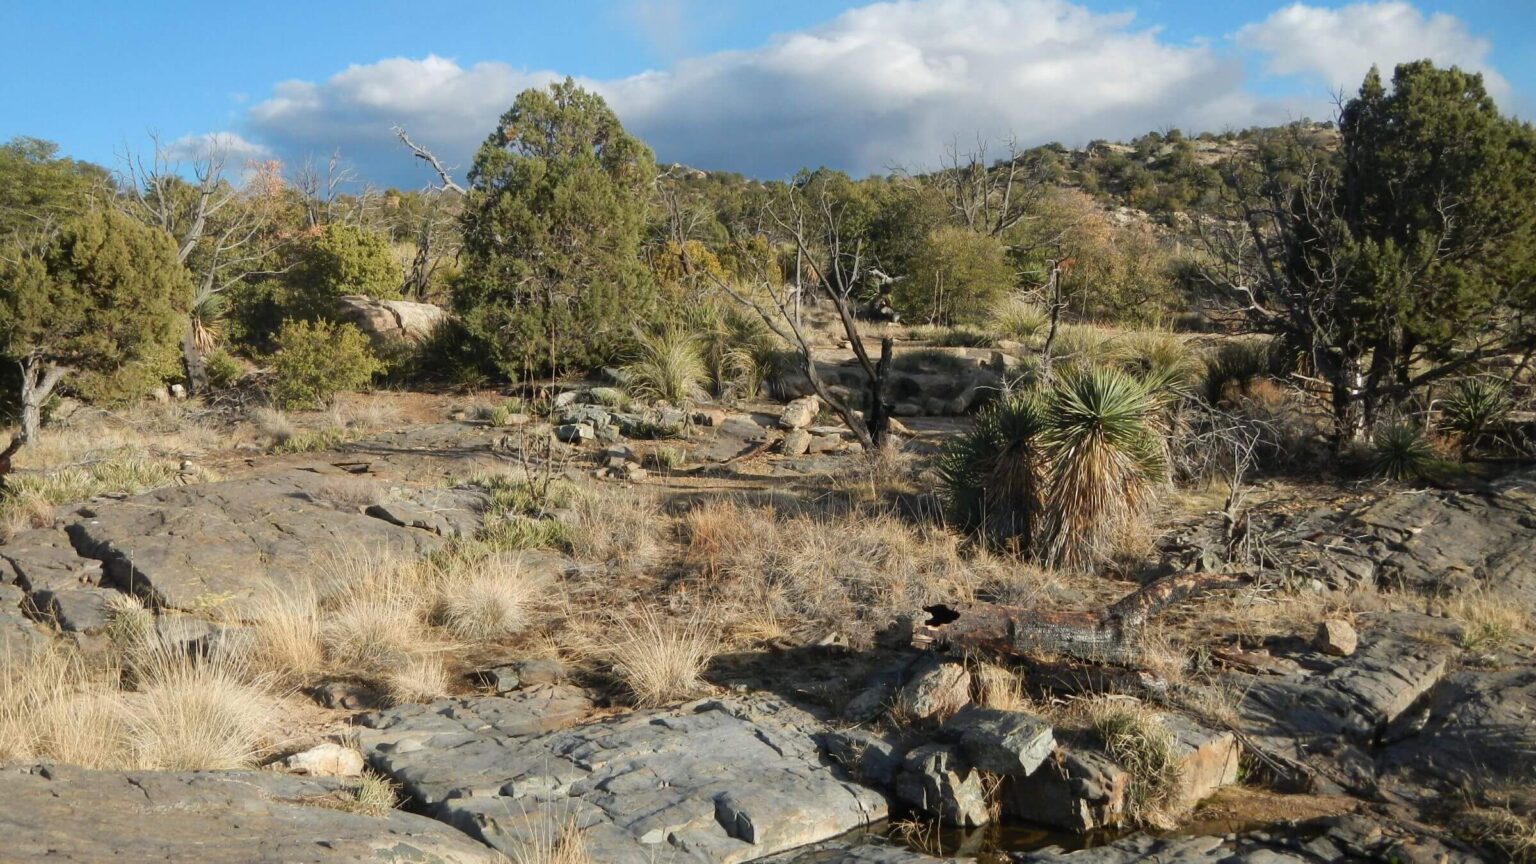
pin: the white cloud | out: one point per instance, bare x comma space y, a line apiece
878, 86
1338, 46
233, 148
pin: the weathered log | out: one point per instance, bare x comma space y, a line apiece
1112, 636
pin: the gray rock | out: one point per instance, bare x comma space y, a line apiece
796, 443
715, 781
1002, 742
825, 444
869, 757
936, 780
326, 760
498, 679
591, 415
1078, 790
62, 813
575, 433
935, 689
19, 635
800, 413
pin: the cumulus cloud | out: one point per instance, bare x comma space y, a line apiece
889, 84
233, 148
1338, 46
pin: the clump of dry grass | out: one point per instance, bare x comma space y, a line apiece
421, 678
660, 658
620, 529
1134, 737
486, 597
54, 706
274, 424
352, 493
364, 412
374, 795
553, 843
285, 633
999, 687
196, 714
1489, 623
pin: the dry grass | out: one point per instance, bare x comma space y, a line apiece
285, 636
192, 714
274, 424
374, 795
1513, 835
352, 493
55, 706
826, 572
553, 843
486, 597
421, 678
1134, 737
168, 430
618, 529
658, 657
999, 687
1489, 623
364, 412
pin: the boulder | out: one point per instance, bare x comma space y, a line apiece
797, 442
1337, 637
1003, 742
800, 413
63, 813
575, 433
936, 689
719, 781
390, 320
936, 780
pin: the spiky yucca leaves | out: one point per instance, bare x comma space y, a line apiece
992, 476
1162, 359
1107, 455
668, 364
1237, 363
1476, 406
1399, 451
1020, 320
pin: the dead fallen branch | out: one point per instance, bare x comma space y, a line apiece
1112, 636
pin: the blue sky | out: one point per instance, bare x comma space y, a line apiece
752, 86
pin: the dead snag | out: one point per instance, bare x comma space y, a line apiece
1112, 636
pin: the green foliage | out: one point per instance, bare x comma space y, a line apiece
106, 299
340, 260
667, 364
1061, 474
39, 190
557, 203
1156, 356
1476, 406
957, 276
223, 369
739, 351
315, 360
1399, 451
1235, 365
1020, 320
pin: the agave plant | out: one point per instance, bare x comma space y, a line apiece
668, 364
1107, 454
993, 475
1162, 359
1399, 451
1476, 406
207, 316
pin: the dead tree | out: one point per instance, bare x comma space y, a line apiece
828, 263
990, 199
431, 159
1112, 636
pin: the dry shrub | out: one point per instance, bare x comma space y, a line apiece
1513, 835
619, 529
553, 842
197, 714
660, 658
364, 412
275, 425
54, 706
421, 678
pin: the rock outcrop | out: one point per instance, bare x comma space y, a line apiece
390, 320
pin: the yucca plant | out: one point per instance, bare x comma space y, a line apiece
1399, 451
1235, 364
668, 365
1476, 406
207, 314
1161, 359
1106, 456
1019, 320
992, 476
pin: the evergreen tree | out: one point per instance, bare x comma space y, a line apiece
557, 207
105, 295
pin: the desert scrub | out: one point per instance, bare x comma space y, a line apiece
1135, 738
1019, 320
315, 360
667, 365
1401, 451
661, 658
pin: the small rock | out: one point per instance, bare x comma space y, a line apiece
708, 417
1337, 637
907, 409
800, 413
568, 397
575, 433
825, 444
936, 780
796, 443
347, 695
326, 760
178, 391
500, 679
535, 672
943, 688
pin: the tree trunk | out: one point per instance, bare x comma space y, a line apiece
192, 361
879, 419
1348, 408
37, 382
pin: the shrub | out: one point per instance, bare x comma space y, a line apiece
1019, 320
340, 260
1476, 406
1235, 365
957, 276
667, 365
316, 360
1160, 358
1061, 475
374, 795
1136, 739
486, 596
419, 678
223, 369
1399, 451
196, 714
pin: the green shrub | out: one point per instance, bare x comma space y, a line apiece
993, 475
341, 260
1235, 365
315, 360
1020, 320
957, 277
667, 365
1476, 406
1399, 451
223, 369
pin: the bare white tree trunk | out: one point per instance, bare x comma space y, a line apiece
38, 379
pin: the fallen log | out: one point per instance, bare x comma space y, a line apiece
1111, 636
